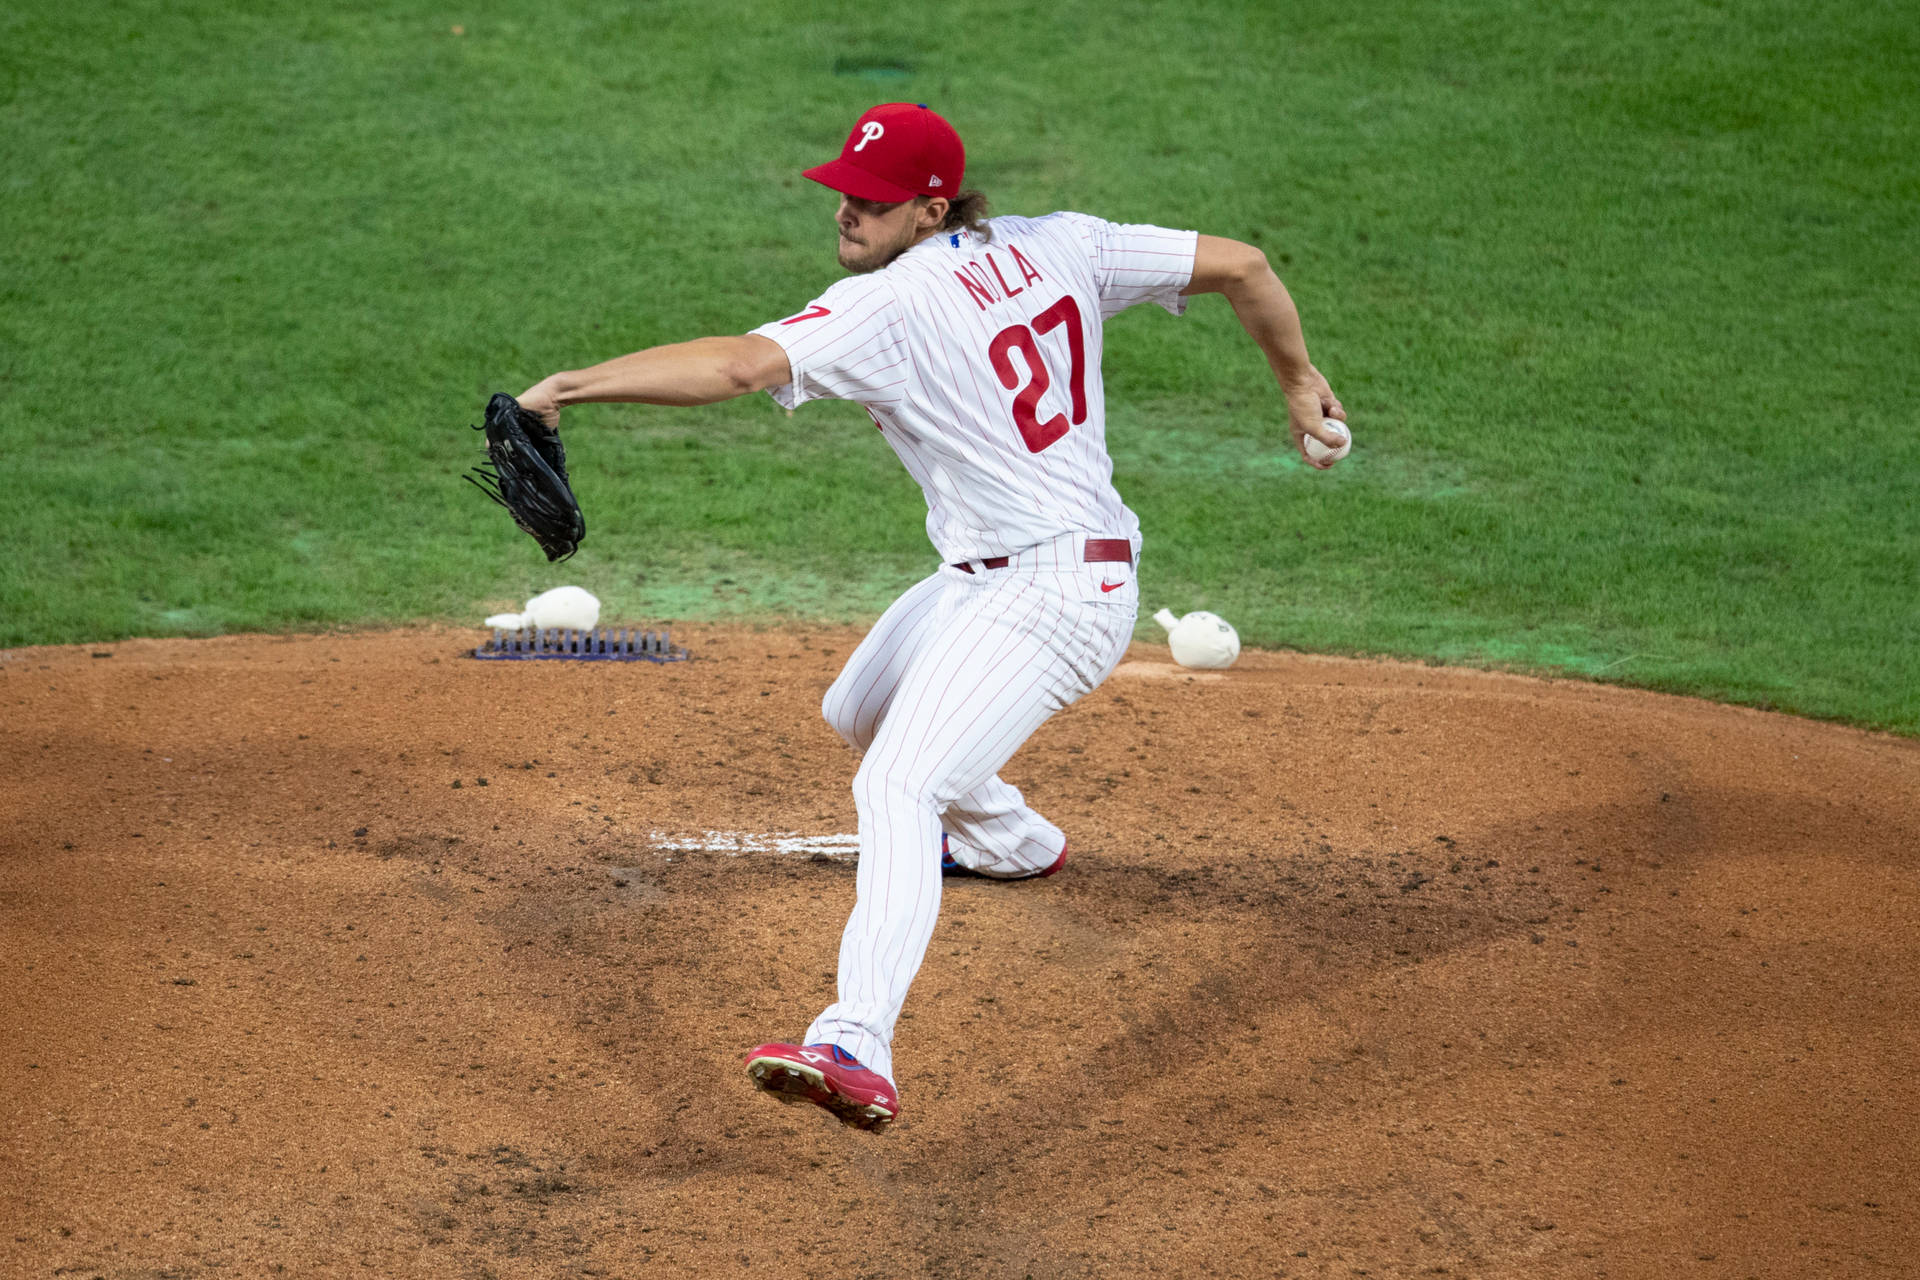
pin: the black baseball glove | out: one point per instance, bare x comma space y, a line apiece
526, 472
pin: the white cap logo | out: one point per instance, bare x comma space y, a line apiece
933, 180
869, 131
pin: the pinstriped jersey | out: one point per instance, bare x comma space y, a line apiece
979, 360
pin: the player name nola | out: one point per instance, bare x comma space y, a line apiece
986, 283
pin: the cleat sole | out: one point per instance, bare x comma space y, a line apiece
791, 1082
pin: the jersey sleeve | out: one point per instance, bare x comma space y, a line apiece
850, 343
1136, 262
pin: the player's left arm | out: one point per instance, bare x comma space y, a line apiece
703, 371
1266, 312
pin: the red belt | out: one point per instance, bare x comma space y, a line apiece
1099, 551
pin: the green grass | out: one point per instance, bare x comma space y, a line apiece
1623, 300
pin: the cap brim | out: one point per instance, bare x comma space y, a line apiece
852, 180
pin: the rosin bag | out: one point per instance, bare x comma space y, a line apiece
564, 608
1200, 639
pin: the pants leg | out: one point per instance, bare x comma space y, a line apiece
994, 830
996, 833
861, 694
994, 660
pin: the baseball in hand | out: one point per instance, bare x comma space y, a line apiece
1319, 454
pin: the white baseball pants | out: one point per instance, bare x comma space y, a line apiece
944, 689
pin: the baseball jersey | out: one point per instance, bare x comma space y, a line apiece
979, 360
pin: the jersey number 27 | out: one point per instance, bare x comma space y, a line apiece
1019, 337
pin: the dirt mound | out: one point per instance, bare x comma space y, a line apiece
353, 955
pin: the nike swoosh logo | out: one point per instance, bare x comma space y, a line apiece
1110, 586
811, 313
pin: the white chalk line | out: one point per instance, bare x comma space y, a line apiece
740, 843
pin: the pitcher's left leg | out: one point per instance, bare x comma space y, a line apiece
1010, 658
858, 699
994, 831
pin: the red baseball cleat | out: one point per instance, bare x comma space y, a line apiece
827, 1076
949, 866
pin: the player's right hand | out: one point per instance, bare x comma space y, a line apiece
1309, 404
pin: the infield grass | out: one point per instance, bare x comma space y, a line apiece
1623, 300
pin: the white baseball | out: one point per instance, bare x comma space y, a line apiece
1319, 454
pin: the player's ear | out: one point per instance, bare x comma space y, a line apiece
932, 212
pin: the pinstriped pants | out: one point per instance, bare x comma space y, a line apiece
944, 689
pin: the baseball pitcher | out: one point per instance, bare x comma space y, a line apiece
975, 344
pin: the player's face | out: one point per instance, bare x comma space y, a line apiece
872, 235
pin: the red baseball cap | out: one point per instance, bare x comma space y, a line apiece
897, 151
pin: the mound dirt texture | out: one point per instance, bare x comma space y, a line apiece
352, 955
